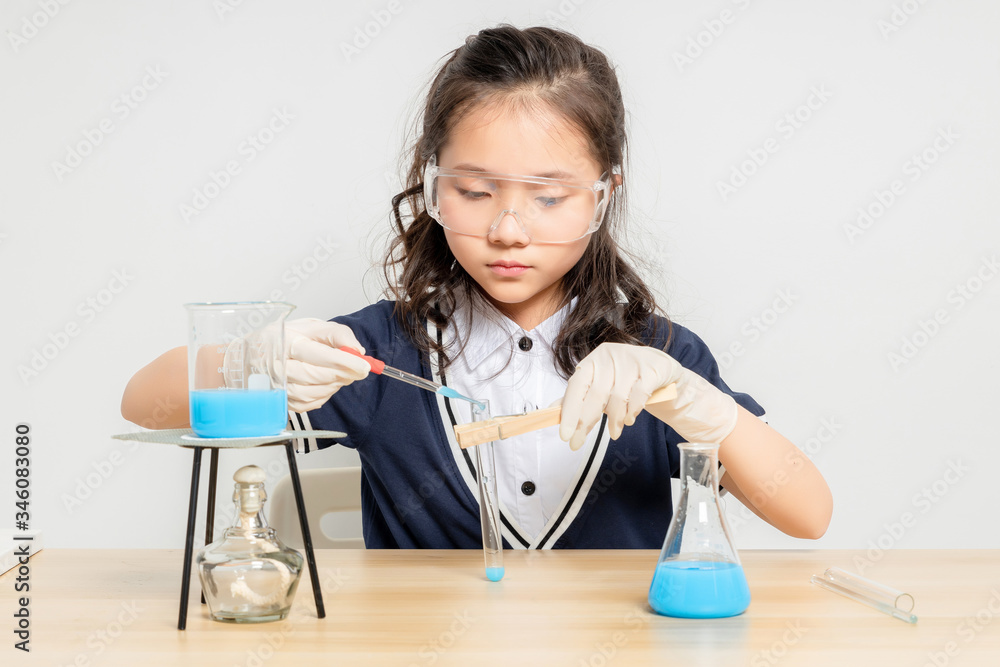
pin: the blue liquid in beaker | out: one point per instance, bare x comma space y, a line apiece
699, 589
238, 413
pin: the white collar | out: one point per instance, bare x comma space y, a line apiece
488, 332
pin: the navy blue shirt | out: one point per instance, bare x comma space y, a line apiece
418, 488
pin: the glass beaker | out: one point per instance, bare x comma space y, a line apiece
249, 576
236, 368
699, 574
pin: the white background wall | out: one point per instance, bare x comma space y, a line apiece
895, 77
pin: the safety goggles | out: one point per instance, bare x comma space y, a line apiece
548, 210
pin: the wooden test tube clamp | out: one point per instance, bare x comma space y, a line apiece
498, 428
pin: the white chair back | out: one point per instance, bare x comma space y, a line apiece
326, 491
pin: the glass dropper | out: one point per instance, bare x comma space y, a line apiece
380, 368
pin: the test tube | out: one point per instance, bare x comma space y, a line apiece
877, 596
489, 509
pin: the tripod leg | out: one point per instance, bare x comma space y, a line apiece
293, 470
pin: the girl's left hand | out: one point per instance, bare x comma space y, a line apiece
617, 379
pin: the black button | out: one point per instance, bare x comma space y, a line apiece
524, 343
528, 488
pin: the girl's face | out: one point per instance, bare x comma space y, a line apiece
520, 277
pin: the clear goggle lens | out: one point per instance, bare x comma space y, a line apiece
548, 210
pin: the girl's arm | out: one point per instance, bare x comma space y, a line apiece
157, 395
763, 470
775, 479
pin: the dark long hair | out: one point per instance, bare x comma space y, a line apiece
556, 69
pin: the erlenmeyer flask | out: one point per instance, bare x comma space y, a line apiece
699, 573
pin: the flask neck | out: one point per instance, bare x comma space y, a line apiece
698, 530
699, 465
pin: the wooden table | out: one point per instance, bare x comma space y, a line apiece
574, 608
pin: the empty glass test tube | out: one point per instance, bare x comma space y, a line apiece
489, 509
877, 596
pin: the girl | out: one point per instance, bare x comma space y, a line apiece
508, 285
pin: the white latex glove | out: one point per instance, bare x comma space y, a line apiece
315, 369
617, 379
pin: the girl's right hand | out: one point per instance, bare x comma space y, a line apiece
316, 369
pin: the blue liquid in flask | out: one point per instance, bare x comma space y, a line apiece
238, 413
699, 589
